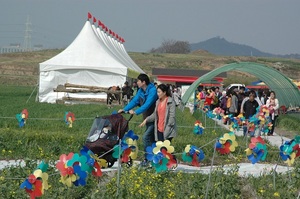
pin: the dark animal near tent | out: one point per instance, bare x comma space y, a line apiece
113, 96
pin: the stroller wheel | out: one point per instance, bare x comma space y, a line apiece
110, 160
110, 164
129, 163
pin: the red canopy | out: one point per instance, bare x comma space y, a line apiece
257, 86
185, 79
167, 78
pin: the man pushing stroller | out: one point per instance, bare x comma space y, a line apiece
145, 98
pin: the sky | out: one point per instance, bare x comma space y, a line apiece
272, 26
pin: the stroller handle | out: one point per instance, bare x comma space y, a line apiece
126, 112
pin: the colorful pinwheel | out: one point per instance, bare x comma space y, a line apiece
129, 148
290, 150
37, 182
205, 108
210, 114
193, 155
69, 118
160, 154
73, 169
225, 119
22, 117
91, 162
257, 150
264, 120
198, 128
67, 173
235, 124
80, 167
218, 112
226, 143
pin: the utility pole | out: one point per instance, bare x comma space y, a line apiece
27, 37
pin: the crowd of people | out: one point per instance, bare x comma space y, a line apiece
128, 92
157, 103
236, 102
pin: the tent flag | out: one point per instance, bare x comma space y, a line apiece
99, 23
94, 20
89, 15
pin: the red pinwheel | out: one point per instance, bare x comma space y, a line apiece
129, 148
36, 190
198, 128
226, 143
69, 118
22, 117
223, 149
35, 184
172, 160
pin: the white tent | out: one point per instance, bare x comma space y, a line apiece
86, 61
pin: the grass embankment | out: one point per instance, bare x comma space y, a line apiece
288, 125
23, 68
46, 137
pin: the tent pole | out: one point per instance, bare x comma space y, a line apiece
31, 93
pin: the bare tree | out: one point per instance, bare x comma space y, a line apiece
172, 46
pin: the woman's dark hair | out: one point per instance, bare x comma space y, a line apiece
273, 93
165, 88
260, 93
252, 92
233, 92
144, 78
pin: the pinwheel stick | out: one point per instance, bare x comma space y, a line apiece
119, 169
210, 171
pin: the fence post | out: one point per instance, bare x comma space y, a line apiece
119, 169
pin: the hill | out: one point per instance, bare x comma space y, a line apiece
23, 68
220, 46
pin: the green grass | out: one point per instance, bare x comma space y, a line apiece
46, 137
289, 122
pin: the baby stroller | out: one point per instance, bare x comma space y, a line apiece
105, 133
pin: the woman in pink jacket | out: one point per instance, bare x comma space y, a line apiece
163, 115
273, 105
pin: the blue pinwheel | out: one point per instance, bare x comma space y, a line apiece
193, 155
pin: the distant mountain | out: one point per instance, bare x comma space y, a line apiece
220, 46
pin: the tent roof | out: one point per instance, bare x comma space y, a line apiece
112, 47
286, 91
85, 52
117, 49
